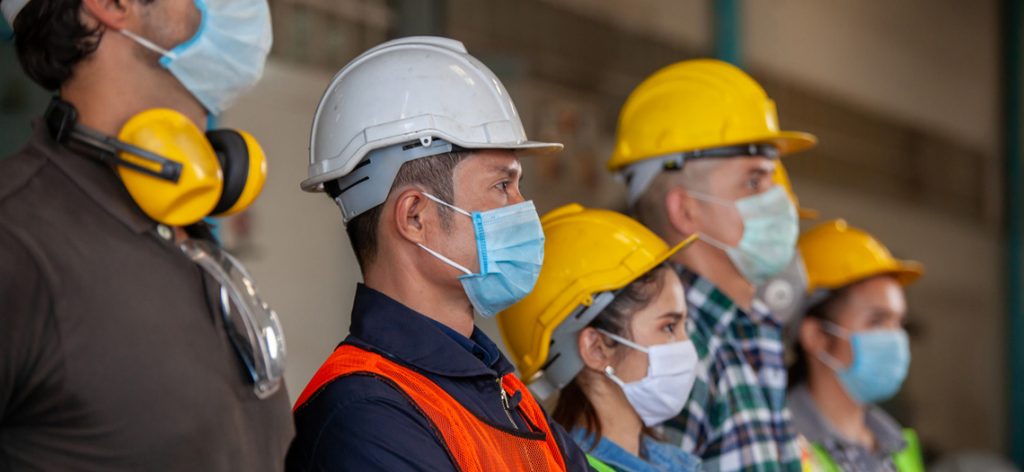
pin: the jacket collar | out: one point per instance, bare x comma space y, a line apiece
95, 178
810, 422
657, 456
382, 324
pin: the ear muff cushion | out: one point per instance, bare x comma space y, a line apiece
233, 154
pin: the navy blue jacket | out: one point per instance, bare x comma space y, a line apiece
359, 422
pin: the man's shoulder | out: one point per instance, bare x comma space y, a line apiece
17, 170
364, 420
357, 387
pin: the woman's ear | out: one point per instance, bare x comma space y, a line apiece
594, 352
812, 338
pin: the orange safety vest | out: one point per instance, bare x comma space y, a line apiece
472, 444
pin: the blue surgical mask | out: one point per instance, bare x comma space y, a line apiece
225, 57
881, 359
510, 247
770, 230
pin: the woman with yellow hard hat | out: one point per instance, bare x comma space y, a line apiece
852, 352
605, 325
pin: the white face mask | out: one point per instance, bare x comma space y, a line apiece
671, 371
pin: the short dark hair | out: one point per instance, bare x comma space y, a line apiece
824, 310
51, 39
433, 173
574, 409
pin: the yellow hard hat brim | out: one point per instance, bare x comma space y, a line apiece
678, 247
808, 213
529, 369
787, 142
907, 272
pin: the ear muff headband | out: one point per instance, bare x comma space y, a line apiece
61, 120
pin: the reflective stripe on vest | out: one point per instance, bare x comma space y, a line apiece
472, 444
907, 460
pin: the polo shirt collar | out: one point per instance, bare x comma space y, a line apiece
97, 179
383, 324
809, 421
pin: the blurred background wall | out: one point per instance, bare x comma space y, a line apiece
906, 97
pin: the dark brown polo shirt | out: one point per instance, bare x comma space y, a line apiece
111, 357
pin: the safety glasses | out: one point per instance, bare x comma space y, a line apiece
252, 326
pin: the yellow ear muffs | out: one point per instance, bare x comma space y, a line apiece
170, 134
245, 169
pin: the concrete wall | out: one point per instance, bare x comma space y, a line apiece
298, 252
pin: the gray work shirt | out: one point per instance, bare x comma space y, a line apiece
848, 455
111, 357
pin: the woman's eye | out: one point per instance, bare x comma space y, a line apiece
670, 328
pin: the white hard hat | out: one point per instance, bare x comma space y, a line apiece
414, 90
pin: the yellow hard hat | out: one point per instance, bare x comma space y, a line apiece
175, 137
699, 104
836, 255
781, 178
586, 252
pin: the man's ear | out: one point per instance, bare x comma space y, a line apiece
411, 216
594, 352
113, 14
682, 211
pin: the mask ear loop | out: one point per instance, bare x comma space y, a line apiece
710, 198
445, 259
718, 201
436, 254
148, 44
449, 205
625, 341
840, 332
609, 371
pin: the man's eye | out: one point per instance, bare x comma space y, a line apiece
504, 186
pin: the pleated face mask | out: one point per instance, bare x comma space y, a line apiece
510, 248
770, 231
226, 55
881, 359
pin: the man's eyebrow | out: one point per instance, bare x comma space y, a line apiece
758, 172
509, 170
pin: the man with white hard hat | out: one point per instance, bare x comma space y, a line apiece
417, 142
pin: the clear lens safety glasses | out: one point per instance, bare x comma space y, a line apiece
252, 326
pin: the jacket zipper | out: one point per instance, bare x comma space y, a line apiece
505, 404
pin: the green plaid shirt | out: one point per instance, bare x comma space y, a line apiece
736, 418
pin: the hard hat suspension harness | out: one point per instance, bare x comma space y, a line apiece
369, 184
